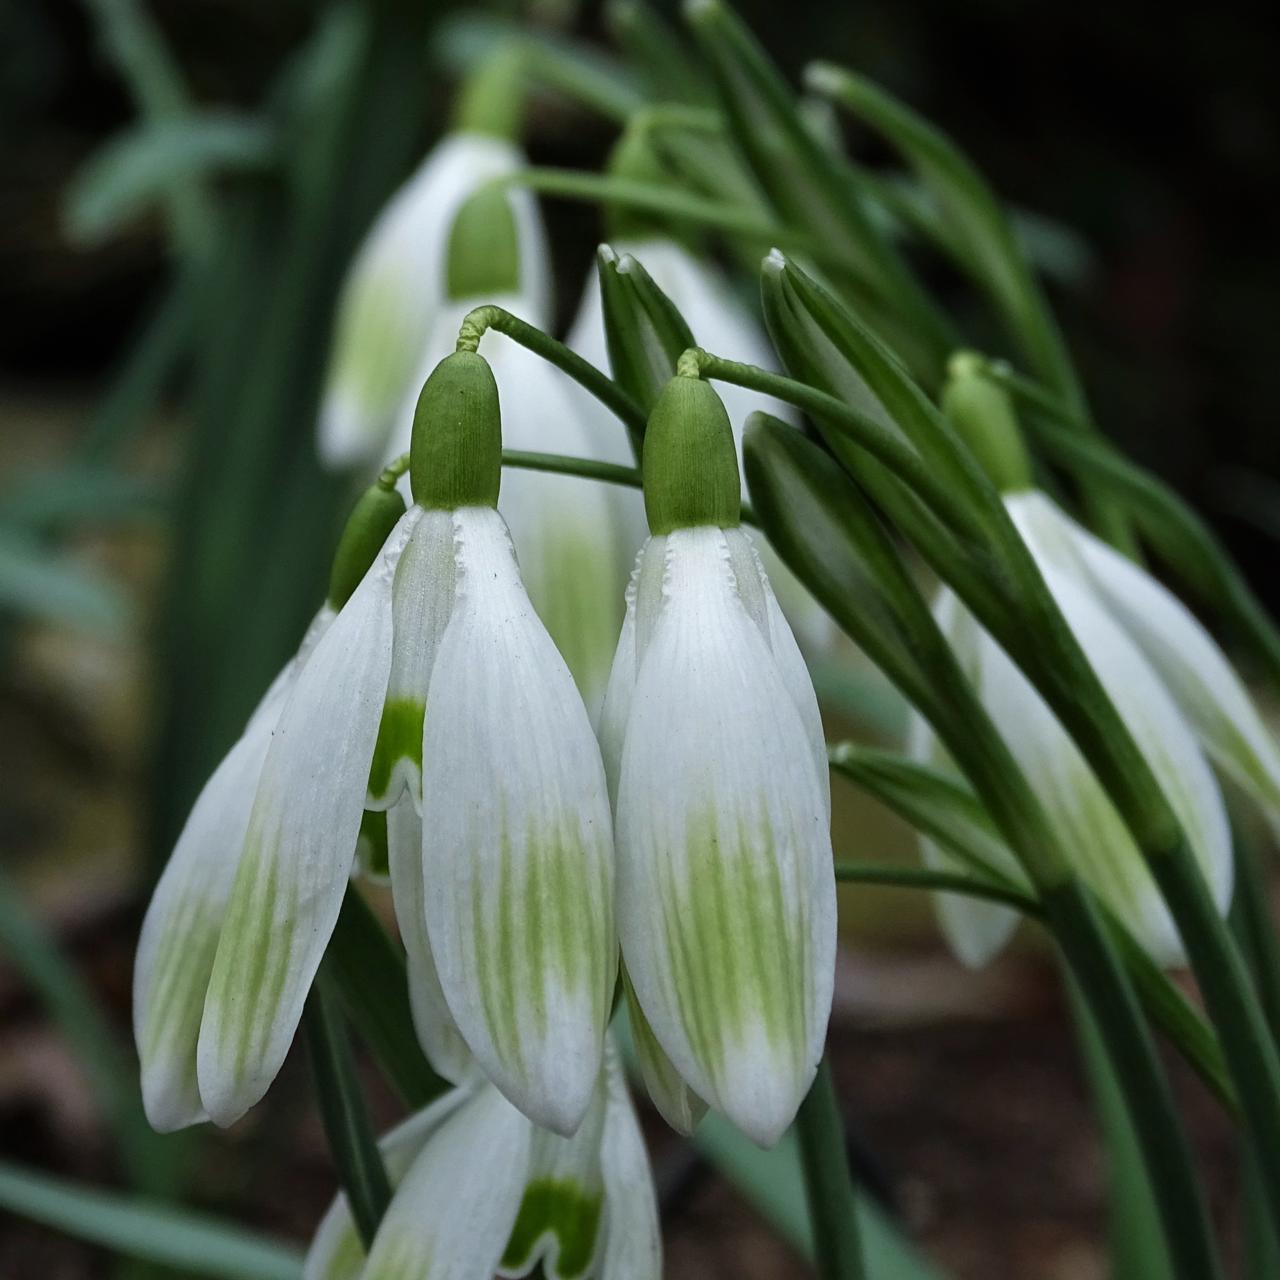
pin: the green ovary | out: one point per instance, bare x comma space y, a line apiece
562, 1209
399, 738
738, 957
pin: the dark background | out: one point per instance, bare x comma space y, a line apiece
1150, 134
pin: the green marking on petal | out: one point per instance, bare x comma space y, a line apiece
346, 1258
371, 845
562, 1210
401, 1255
739, 957
375, 351
546, 935
399, 738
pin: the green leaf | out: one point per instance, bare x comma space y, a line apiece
936, 804
112, 1074
48, 587
979, 233
144, 164
368, 972
48, 500
139, 1228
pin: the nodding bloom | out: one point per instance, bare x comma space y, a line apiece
572, 554
1174, 689
479, 1190
717, 765
185, 918
435, 694
398, 284
720, 322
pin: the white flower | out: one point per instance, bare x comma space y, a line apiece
721, 323
573, 538
1194, 671
396, 286
1091, 830
184, 919
726, 891
479, 1190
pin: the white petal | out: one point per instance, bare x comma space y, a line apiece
396, 287
976, 930
437, 1034
633, 1242
180, 932
517, 846
678, 1105
1195, 671
422, 599
298, 850
336, 1251
452, 1213
726, 887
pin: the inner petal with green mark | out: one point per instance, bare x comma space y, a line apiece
560, 1212
397, 754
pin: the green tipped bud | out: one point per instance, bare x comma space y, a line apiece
690, 465
456, 456
367, 528
491, 97
984, 415
484, 248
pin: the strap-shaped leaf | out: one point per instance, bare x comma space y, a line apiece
194, 1243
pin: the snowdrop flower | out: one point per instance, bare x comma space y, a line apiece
719, 322
437, 684
185, 918
398, 280
1167, 679
572, 553
479, 1190
717, 764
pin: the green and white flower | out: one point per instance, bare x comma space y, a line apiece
395, 289
1193, 669
1092, 831
717, 764
438, 686
481, 1190
184, 919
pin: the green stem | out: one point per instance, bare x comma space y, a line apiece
1256, 928
343, 1111
937, 881
583, 372
562, 464
672, 202
1169, 1164
828, 1182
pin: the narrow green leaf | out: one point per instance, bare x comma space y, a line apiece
368, 972
139, 1228
343, 1111
48, 500
142, 165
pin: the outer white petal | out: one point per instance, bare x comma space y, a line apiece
445, 1049
396, 286
517, 846
633, 1242
975, 930
726, 887
422, 599
452, 1213
1194, 669
336, 1251
622, 676
298, 850
677, 1104
572, 536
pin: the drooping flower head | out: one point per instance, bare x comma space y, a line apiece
479, 1190
1171, 684
726, 891
185, 919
